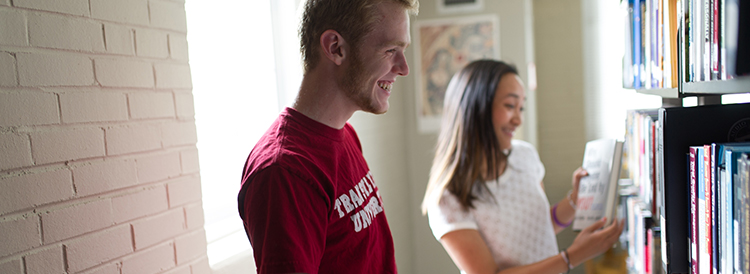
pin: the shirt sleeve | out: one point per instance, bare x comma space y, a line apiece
448, 215
285, 219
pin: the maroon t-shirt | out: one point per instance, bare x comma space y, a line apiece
309, 203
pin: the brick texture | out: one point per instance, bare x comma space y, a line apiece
16, 151
124, 73
67, 144
76, 220
168, 14
172, 76
28, 108
39, 69
158, 228
19, 235
48, 260
99, 177
145, 105
159, 167
11, 267
65, 32
184, 105
95, 249
99, 170
119, 39
133, 138
82, 107
8, 76
29, 190
133, 11
190, 246
13, 24
150, 261
139, 204
151, 43
73, 7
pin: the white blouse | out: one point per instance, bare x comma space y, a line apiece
516, 223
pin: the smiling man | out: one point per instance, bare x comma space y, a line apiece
308, 201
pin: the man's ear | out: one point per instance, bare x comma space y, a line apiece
334, 46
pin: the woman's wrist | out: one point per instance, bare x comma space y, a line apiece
572, 199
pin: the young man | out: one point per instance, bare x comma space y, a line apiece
308, 201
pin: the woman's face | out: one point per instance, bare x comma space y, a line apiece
507, 108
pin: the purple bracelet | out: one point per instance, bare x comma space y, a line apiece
554, 217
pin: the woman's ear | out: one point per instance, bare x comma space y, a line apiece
334, 46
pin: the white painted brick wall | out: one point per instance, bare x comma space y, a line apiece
119, 39
131, 11
65, 32
184, 190
45, 261
99, 169
168, 14
13, 24
28, 108
150, 261
75, 220
27, 191
40, 69
8, 75
133, 138
73, 7
140, 204
66, 144
19, 234
82, 107
151, 43
16, 152
11, 267
144, 105
98, 248
124, 72
104, 176
156, 229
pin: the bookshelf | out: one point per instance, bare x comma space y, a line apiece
677, 49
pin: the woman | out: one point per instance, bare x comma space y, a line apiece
485, 198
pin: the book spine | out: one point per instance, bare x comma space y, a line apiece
693, 215
709, 206
715, 40
637, 43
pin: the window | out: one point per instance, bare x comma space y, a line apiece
244, 72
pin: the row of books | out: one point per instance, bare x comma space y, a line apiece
702, 39
719, 209
656, 145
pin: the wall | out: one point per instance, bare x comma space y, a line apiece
99, 169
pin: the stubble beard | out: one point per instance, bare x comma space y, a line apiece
355, 85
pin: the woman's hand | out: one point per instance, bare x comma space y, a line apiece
593, 241
577, 175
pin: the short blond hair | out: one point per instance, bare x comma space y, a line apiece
353, 19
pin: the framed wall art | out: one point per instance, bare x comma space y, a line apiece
442, 47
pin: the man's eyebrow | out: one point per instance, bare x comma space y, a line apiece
396, 43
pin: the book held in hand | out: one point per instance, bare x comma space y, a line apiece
602, 159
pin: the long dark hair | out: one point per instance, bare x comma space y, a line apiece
467, 149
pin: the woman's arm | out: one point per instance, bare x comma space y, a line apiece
565, 209
471, 254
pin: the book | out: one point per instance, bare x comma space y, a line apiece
694, 202
597, 198
678, 129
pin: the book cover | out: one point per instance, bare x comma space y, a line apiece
602, 159
678, 131
708, 185
704, 263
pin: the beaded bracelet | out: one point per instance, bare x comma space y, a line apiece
554, 217
564, 255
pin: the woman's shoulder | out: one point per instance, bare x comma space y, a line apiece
523, 147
